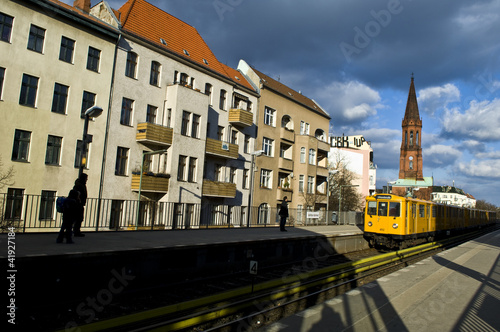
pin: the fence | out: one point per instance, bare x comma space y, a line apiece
37, 213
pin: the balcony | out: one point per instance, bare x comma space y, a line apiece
281, 192
285, 164
287, 134
322, 171
221, 149
239, 117
150, 183
150, 133
218, 189
323, 146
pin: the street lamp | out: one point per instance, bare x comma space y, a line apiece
252, 176
340, 197
92, 112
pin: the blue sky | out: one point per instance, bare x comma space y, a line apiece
356, 58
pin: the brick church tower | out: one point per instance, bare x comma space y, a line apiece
410, 160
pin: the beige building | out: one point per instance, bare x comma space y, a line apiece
292, 137
55, 62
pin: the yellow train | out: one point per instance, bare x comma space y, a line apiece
396, 222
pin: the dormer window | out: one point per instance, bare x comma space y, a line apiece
205, 61
186, 52
163, 41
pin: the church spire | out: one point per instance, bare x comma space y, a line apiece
411, 112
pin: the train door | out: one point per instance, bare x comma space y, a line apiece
412, 217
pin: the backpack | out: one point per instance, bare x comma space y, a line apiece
60, 204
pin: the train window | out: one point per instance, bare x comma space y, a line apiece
372, 208
434, 211
382, 209
394, 209
421, 211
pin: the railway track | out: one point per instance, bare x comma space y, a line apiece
276, 293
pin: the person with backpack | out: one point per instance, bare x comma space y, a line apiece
70, 211
81, 187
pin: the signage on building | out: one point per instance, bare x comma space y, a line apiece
348, 142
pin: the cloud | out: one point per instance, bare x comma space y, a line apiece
435, 98
348, 102
440, 156
483, 168
479, 122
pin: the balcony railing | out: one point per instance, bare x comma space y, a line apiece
240, 117
322, 171
287, 134
150, 183
154, 134
282, 192
219, 189
286, 164
221, 149
323, 146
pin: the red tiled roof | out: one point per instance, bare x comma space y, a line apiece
290, 93
237, 77
153, 24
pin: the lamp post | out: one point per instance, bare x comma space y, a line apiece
340, 197
252, 176
92, 112
140, 184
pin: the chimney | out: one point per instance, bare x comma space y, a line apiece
83, 5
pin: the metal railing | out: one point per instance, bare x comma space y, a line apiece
36, 213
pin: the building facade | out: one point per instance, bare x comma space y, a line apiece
56, 61
357, 155
293, 150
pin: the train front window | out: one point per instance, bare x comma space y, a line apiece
382, 209
372, 208
394, 209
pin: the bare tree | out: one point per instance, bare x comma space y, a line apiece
6, 175
341, 178
483, 205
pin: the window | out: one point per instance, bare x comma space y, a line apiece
195, 129
66, 50
185, 123
181, 171
14, 204
192, 169
130, 68
126, 114
169, 117
88, 100
301, 183
36, 38
93, 59
78, 153
208, 92
245, 178
421, 210
151, 114
5, 27
121, 161
47, 201
304, 128
372, 208
267, 146
20, 151
232, 175
310, 184
406, 138
312, 157
60, 98
29, 89
269, 115
2, 75
302, 155
264, 214
53, 153
394, 209
416, 141
220, 133
382, 209
265, 178
411, 138
299, 212
219, 173
184, 79
246, 144
234, 136
154, 77
222, 100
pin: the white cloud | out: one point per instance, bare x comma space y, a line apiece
434, 98
350, 101
440, 155
479, 122
483, 168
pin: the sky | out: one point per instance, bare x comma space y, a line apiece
356, 59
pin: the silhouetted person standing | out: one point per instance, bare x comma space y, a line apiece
283, 214
71, 207
81, 187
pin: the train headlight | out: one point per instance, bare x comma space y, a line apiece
395, 226
370, 224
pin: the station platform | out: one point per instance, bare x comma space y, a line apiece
455, 290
